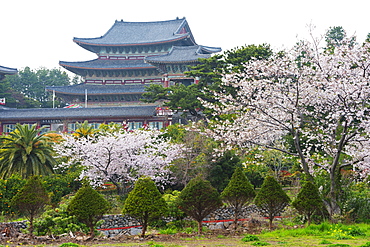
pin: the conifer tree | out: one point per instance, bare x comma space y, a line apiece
145, 203
88, 206
271, 199
308, 201
31, 200
238, 192
198, 199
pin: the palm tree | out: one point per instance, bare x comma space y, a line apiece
26, 152
85, 130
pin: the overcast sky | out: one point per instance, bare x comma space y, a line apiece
39, 33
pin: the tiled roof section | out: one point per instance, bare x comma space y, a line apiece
80, 89
139, 33
7, 71
106, 64
184, 54
76, 113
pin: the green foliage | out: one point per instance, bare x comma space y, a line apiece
172, 205
145, 202
250, 238
271, 199
222, 170
260, 243
88, 206
57, 221
32, 84
357, 203
69, 245
325, 242
198, 199
60, 185
31, 199
365, 245
339, 245
308, 201
196, 160
210, 70
8, 189
27, 152
238, 192
84, 130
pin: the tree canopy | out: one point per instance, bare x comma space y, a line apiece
31, 199
145, 203
26, 151
185, 99
31, 84
320, 99
271, 199
88, 206
198, 199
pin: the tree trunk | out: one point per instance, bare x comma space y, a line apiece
271, 218
200, 227
30, 228
331, 203
236, 214
145, 225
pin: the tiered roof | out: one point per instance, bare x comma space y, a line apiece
7, 71
81, 89
141, 33
184, 54
76, 113
102, 64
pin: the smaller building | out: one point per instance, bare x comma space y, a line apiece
65, 119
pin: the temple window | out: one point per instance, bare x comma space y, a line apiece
156, 125
135, 125
7, 128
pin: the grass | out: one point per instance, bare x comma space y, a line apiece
323, 235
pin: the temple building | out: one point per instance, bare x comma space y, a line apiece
130, 56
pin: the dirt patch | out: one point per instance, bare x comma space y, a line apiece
210, 238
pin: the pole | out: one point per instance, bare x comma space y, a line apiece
85, 98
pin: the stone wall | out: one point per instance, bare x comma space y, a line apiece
118, 224
220, 219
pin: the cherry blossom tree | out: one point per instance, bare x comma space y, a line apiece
318, 98
121, 157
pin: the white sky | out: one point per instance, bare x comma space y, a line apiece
39, 33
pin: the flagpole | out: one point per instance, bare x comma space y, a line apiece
85, 98
53, 98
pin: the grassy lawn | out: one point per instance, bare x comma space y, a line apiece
325, 235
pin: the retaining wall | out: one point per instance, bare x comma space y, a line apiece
120, 224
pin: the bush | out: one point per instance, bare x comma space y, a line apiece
271, 199
31, 200
198, 199
69, 245
88, 206
145, 203
250, 238
56, 221
8, 189
308, 201
238, 193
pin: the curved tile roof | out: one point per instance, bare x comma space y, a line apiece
107, 64
80, 89
7, 71
141, 33
184, 54
76, 113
